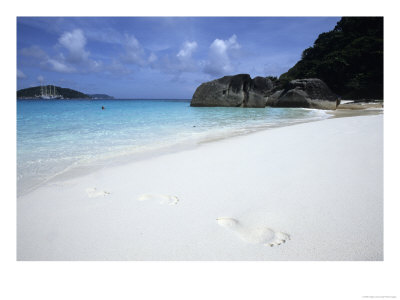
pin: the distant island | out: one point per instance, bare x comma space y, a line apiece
100, 96
56, 92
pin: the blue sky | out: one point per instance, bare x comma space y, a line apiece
163, 57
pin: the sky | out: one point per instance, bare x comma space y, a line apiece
157, 57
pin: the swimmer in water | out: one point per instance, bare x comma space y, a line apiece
102, 107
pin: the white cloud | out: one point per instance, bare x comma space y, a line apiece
187, 50
72, 56
59, 66
222, 46
40, 78
20, 74
182, 61
134, 52
77, 59
75, 43
152, 58
219, 62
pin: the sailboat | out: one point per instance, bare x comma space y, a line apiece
48, 93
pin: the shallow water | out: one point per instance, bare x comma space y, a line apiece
58, 137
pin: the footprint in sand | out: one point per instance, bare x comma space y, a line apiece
160, 198
94, 193
254, 235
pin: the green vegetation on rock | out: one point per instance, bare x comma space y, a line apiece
66, 93
349, 59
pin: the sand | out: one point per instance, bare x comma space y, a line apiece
312, 191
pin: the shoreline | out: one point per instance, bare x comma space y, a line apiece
343, 113
314, 181
82, 169
133, 153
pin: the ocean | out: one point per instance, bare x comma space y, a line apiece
61, 138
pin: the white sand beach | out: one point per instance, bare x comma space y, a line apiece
312, 191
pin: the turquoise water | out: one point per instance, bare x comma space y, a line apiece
59, 137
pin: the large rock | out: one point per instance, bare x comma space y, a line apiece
242, 91
307, 93
236, 91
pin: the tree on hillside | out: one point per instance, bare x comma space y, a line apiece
349, 59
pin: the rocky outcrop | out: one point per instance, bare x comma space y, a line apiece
236, 91
307, 93
242, 91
